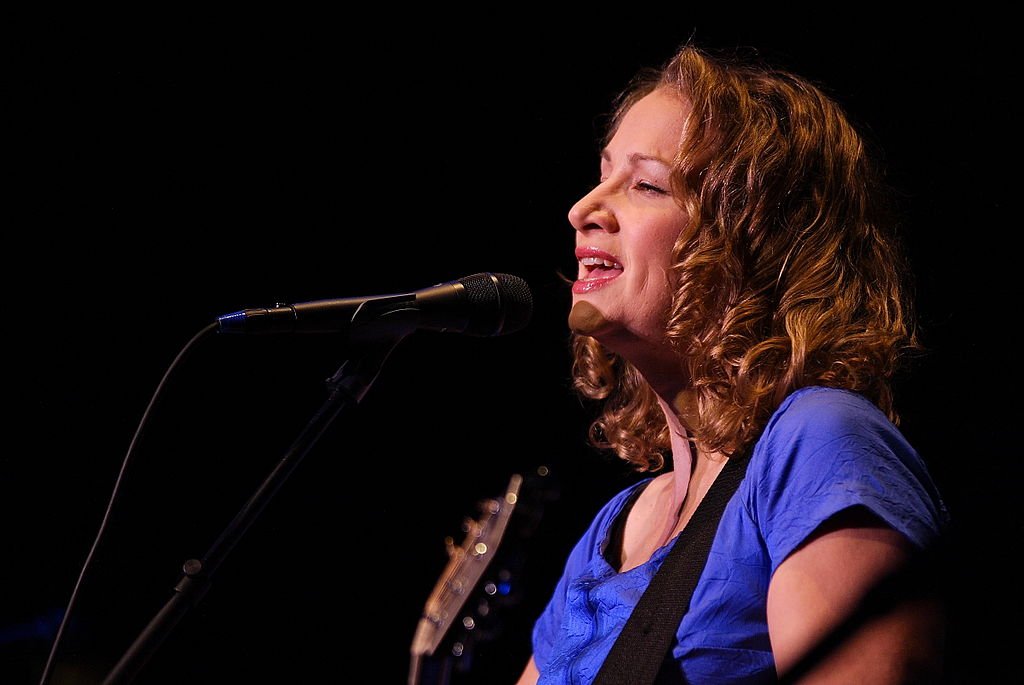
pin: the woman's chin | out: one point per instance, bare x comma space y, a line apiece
586, 319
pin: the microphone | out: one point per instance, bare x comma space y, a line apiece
484, 304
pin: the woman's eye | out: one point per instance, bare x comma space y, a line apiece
648, 187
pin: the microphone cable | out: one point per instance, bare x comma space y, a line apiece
52, 658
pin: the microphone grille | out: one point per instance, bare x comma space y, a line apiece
504, 301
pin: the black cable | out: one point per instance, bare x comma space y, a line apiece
51, 659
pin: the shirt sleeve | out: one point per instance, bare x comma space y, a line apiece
826, 450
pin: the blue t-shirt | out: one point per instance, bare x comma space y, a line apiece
824, 450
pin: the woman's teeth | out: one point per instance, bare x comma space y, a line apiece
597, 262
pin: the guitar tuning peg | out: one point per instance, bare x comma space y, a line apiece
470, 527
449, 546
489, 506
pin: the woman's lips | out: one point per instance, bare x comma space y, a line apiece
598, 268
592, 283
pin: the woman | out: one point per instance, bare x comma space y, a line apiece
739, 296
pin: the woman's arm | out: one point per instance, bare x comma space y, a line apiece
530, 674
827, 579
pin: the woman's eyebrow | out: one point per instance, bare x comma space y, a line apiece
636, 157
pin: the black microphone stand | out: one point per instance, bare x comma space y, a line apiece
346, 387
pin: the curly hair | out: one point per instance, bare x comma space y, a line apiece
787, 273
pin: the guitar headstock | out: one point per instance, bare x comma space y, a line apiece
466, 565
467, 623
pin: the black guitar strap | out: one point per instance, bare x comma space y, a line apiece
642, 646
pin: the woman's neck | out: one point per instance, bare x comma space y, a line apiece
684, 449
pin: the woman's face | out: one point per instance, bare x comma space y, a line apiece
626, 228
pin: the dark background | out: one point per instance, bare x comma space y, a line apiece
166, 170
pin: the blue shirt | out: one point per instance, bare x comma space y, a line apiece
823, 450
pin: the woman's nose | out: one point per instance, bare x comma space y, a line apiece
593, 211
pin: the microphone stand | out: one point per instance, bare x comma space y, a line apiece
346, 387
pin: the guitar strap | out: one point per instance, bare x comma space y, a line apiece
645, 640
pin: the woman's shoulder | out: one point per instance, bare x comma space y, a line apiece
817, 402
826, 449
816, 413
820, 433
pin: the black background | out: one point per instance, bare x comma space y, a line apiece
166, 170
